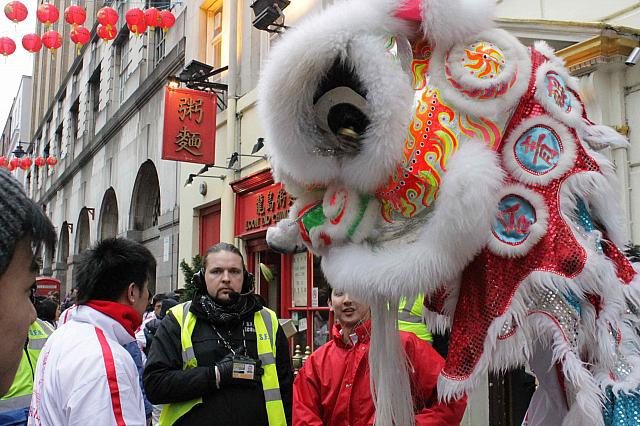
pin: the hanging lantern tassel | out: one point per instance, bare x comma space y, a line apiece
168, 19
80, 36
47, 14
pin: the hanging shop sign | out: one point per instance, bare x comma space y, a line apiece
257, 210
189, 126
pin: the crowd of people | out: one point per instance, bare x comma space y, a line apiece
117, 355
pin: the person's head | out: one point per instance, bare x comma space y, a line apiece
47, 309
165, 305
157, 303
117, 270
348, 311
23, 229
224, 272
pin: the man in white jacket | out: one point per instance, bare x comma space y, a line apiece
85, 376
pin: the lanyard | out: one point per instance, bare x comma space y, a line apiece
226, 343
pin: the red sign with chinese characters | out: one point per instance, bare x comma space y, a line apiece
189, 126
257, 210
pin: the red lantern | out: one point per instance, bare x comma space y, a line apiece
106, 32
52, 161
152, 17
3, 161
52, 40
75, 15
31, 43
14, 163
136, 21
39, 162
16, 11
107, 16
7, 46
80, 36
25, 163
47, 14
167, 20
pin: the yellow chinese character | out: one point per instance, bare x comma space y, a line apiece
188, 106
188, 140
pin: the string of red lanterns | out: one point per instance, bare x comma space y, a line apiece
137, 21
25, 163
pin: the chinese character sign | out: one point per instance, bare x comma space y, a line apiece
189, 126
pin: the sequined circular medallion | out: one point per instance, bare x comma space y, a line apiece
556, 91
538, 150
483, 60
514, 220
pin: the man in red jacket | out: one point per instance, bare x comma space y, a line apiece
332, 388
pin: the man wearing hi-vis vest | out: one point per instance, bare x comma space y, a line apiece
410, 317
221, 358
14, 405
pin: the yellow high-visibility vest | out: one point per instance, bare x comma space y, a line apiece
266, 325
410, 317
19, 395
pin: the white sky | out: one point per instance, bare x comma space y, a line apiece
13, 67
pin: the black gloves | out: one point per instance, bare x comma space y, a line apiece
246, 365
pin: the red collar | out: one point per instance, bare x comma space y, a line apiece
363, 331
126, 316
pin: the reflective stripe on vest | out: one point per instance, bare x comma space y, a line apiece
410, 317
265, 321
19, 394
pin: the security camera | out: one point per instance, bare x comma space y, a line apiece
633, 57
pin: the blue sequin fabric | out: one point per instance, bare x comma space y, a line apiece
621, 409
586, 222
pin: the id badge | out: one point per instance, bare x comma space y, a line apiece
244, 368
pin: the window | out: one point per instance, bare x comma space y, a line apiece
74, 122
214, 42
58, 141
122, 65
94, 99
158, 45
309, 295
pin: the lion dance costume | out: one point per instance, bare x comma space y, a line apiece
429, 152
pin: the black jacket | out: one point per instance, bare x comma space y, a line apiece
233, 405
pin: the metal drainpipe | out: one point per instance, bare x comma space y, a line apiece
232, 144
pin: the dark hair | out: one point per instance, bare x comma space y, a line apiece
46, 308
106, 270
223, 247
20, 217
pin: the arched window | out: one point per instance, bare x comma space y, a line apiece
60, 269
145, 201
83, 233
108, 224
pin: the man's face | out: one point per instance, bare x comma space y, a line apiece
223, 275
16, 310
142, 301
347, 311
157, 307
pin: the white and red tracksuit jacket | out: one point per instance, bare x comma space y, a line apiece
85, 377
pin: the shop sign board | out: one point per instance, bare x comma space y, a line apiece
258, 210
189, 126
